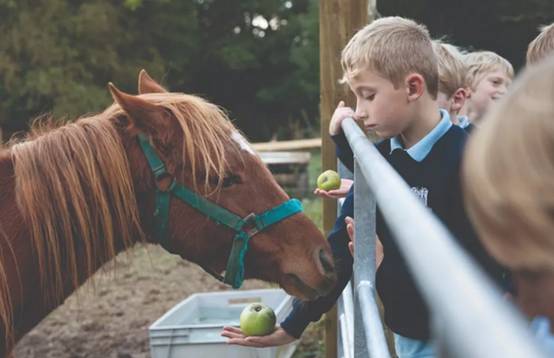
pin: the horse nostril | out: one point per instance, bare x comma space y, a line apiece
326, 262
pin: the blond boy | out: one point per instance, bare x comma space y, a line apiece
453, 88
391, 67
542, 46
489, 76
510, 191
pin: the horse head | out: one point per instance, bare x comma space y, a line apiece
214, 202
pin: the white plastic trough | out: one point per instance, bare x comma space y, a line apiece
192, 328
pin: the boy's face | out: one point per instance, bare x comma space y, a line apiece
379, 106
492, 86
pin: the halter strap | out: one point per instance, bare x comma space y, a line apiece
245, 228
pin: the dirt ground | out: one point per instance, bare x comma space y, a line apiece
111, 320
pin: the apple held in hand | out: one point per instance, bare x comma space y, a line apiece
328, 180
257, 319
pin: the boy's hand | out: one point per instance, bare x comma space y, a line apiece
279, 337
341, 112
379, 251
351, 233
341, 192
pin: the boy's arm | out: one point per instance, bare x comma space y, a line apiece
305, 312
344, 152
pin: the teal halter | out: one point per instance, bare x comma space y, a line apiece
245, 228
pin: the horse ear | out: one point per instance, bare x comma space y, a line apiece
147, 85
142, 114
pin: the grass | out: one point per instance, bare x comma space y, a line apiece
312, 344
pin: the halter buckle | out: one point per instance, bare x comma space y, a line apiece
250, 223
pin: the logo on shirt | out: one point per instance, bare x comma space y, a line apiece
421, 193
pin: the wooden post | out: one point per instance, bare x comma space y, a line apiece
338, 21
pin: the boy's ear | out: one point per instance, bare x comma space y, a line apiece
458, 100
415, 86
147, 85
142, 115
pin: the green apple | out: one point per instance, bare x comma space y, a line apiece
257, 319
328, 180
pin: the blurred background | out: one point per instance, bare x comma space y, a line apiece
257, 58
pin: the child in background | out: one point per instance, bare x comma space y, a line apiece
541, 46
509, 187
453, 89
489, 76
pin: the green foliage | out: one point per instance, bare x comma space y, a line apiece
312, 344
58, 56
266, 50
132, 4
257, 58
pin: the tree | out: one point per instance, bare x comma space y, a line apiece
256, 58
260, 60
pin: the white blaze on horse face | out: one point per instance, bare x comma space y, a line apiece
243, 143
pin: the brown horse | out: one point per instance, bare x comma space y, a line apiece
74, 196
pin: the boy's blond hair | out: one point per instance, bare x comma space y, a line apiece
452, 69
509, 170
456, 51
393, 47
542, 45
480, 63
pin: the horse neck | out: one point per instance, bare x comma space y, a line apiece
18, 257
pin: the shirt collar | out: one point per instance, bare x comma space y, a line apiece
463, 121
421, 149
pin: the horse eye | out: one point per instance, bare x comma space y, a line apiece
231, 180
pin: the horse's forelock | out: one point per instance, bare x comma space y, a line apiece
207, 135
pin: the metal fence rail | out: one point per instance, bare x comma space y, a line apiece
470, 317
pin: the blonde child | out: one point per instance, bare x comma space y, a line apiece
453, 89
510, 191
542, 46
489, 76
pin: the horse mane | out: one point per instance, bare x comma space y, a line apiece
6, 308
75, 191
